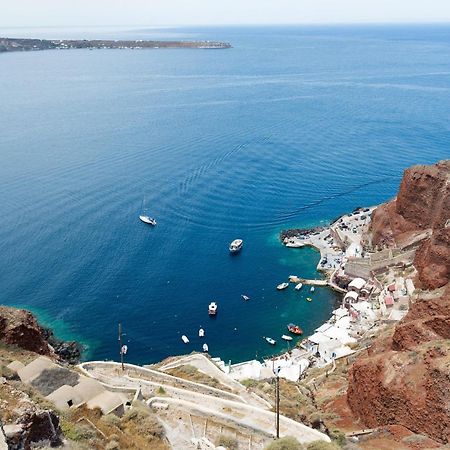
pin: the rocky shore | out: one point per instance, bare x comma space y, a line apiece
20, 328
15, 45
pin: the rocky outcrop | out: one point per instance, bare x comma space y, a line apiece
421, 213
405, 379
19, 327
34, 428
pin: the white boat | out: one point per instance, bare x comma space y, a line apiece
212, 309
286, 337
245, 297
205, 348
298, 286
185, 339
201, 332
147, 219
270, 340
282, 286
236, 245
312, 289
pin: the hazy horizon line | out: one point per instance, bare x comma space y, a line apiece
279, 24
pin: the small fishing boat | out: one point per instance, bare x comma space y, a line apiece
236, 246
294, 328
185, 339
148, 220
282, 286
308, 299
312, 289
245, 297
286, 337
270, 340
212, 309
298, 286
205, 348
201, 332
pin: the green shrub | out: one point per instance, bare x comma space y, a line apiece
322, 445
229, 442
286, 443
338, 436
76, 432
111, 420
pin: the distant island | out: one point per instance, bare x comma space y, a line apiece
15, 45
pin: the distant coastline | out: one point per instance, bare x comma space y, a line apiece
18, 44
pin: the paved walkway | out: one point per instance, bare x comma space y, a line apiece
221, 408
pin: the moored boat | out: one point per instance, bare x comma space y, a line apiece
212, 309
294, 328
286, 337
298, 286
270, 340
205, 348
236, 246
201, 332
308, 299
282, 286
312, 289
185, 339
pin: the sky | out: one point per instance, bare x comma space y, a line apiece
28, 13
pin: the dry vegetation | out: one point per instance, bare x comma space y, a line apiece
191, 373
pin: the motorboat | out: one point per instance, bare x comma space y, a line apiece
245, 297
286, 337
298, 286
148, 220
282, 286
205, 348
294, 328
212, 309
270, 340
308, 299
236, 246
312, 289
185, 339
201, 332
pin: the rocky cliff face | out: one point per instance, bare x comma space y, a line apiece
19, 327
405, 379
422, 207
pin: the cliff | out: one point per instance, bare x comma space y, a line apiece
419, 214
404, 379
20, 328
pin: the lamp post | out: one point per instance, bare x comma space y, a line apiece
121, 346
277, 401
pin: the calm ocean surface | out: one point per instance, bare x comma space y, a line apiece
289, 128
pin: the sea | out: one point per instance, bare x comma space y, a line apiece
291, 127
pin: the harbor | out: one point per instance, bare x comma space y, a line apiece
371, 300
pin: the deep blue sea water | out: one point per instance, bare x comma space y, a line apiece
291, 127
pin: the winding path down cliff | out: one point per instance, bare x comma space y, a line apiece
194, 400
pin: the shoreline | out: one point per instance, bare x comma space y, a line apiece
8, 45
361, 311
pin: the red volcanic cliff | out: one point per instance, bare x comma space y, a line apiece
422, 206
19, 327
405, 379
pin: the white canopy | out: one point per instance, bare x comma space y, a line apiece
352, 294
357, 283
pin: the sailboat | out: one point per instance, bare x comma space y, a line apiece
145, 218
